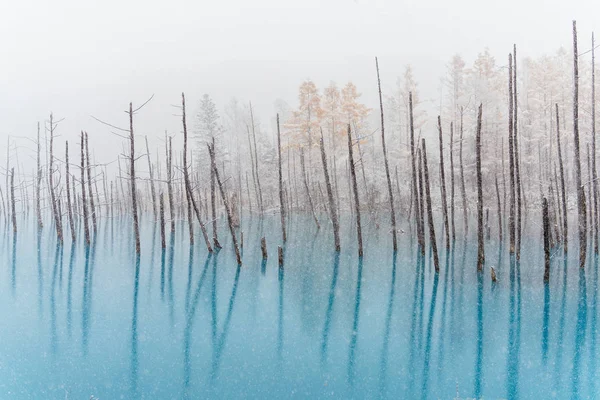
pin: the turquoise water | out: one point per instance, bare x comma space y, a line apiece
181, 324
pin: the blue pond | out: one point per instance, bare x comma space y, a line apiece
179, 323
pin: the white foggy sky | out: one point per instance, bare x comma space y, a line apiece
80, 58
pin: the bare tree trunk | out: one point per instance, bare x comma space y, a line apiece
432, 240
581, 207
188, 184
281, 203
69, 211
443, 186
415, 186
480, 243
151, 172
517, 159
163, 243
211, 151
260, 197
594, 171
355, 190
452, 182
12, 200
263, 248
39, 181
305, 180
511, 160
499, 211
89, 181
462, 176
565, 234
332, 205
387, 167
57, 219
422, 210
546, 225
213, 205
134, 210
170, 183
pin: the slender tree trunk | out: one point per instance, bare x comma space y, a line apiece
305, 180
565, 233
260, 196
226, 204
281, 202
423, 205
511, 160
415, 186
151, 172
462, 176
39, 181
594, 171
332, 205
499, 211
355, 190
188, 185
12, 200
134, 210
443, 186
170, 182
452, 182
89, 181
432, 239
213, 205
57, 218
387, 167
581, 208
163, 242
69, 210
546, 225
517, 158
480, 243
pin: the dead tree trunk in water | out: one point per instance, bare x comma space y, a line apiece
170, 183
546, 224
12, 200
499, 210
415, 184
480, 244
562, 185
134, 210
186, 177
517, 158
57, 218
355, 190
89, 181
594, 172
213, 205
163, 242
581, 208
387, 167
436, 260
238, 257
151, 172
305, 180
421, 237
443, 186
332, 204
452, 182
69, 210
462, 176
39, 181
281, 203
260, 197
86, 228
511, 160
